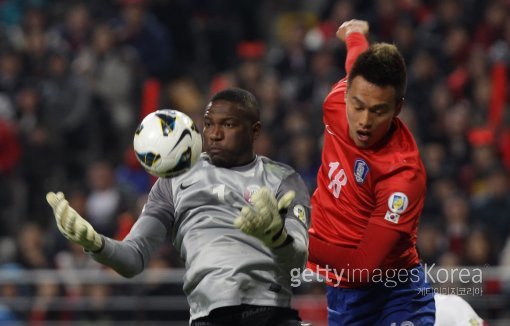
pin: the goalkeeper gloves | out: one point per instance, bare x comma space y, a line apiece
72, 225
263, 219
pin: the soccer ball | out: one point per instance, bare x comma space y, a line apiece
167, 143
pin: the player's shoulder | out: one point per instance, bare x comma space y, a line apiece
401, 168
274, 167
337, 92
401, 152
402, 139
341, 85
199, 167
405, 171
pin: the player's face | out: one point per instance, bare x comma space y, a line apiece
228, 134
370, 111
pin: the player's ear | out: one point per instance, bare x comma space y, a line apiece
398, 106
255, 129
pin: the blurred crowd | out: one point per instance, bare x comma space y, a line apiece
77, 76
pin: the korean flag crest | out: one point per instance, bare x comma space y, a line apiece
360, 170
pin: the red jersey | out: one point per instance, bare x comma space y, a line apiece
356, 187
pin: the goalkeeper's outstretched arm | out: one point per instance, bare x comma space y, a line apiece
130, 256
127, 257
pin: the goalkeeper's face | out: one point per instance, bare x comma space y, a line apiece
229, 134
370, 111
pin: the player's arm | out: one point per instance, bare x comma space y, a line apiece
376, 244
399, 200
297, 221
129, 256
353, 33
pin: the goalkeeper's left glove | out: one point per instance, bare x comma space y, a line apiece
263, 219
72, 225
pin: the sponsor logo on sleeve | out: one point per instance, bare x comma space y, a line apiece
360, 170
392, 217
300, 213
397, 202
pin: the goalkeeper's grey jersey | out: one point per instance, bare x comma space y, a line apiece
224, 266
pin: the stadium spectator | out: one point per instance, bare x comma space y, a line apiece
42, 150
139, 28
109, 70
456, 213
106, 200
32, 247
10, 153
491, 209
75, 31
11, 73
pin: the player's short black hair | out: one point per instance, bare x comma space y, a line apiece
382, 65
243, 98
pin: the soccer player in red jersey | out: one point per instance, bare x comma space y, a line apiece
370, 193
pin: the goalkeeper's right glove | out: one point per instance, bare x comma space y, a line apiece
263, 220
72, 225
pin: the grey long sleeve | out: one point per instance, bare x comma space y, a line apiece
130, 256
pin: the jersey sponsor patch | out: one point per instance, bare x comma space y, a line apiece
397, 203
360, 170
392, 217
300, 213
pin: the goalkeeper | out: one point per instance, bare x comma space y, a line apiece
239, 221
